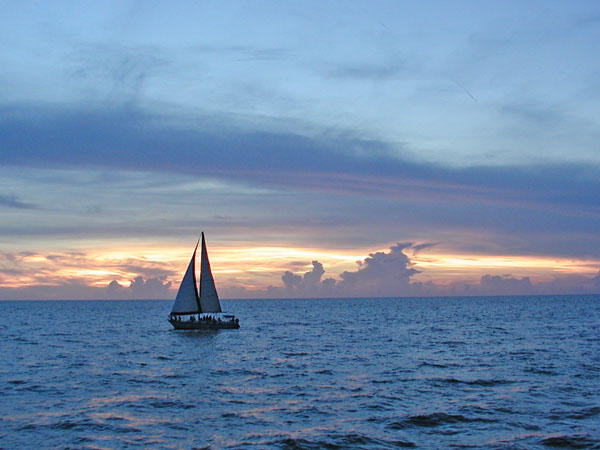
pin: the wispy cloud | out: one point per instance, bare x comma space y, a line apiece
364, 71
126, 138
11, 201
112, 73
551, 208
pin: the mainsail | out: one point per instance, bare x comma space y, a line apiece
186, 301
209, 299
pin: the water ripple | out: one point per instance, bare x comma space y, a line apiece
499, 373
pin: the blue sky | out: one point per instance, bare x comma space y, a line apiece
468, 130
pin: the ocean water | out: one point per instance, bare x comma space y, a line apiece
513, 372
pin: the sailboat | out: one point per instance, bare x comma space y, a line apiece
199, 309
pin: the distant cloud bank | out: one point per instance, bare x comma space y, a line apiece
381, 274
391, 274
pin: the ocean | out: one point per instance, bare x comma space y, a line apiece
436, 373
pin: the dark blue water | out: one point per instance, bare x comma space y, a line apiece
515, 372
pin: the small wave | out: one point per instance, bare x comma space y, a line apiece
295, 353
310, 411
345, 441
540, 371
428, 364
379, 407
90, 425
244, 371
585, 413
452, 343
375, 419
146, 381
34, 388
474, 382
175, 376
382, 381
434, 420
576, 441
578, 415
234, 401
170, 404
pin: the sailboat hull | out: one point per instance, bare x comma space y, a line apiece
201, 325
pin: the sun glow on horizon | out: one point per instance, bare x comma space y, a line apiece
445, 266
256, 268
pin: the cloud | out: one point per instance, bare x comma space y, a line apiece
139, 288
78, 275
308, 285
391, 274
419, 247
127, 138
114, 72
596, 282
11, 201
243, 52
336, 178
375, 72
381, 274
570, 284
505, 285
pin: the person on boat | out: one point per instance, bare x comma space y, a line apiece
192, 318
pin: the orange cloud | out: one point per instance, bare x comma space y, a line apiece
243, 270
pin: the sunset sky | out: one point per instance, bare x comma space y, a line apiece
363, 148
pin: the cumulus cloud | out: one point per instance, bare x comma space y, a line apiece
505, 284
390, 274
308, 285
139, 288
381, 274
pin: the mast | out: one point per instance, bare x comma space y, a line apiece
209, 299
186, 301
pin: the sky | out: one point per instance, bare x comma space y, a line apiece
327, 149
